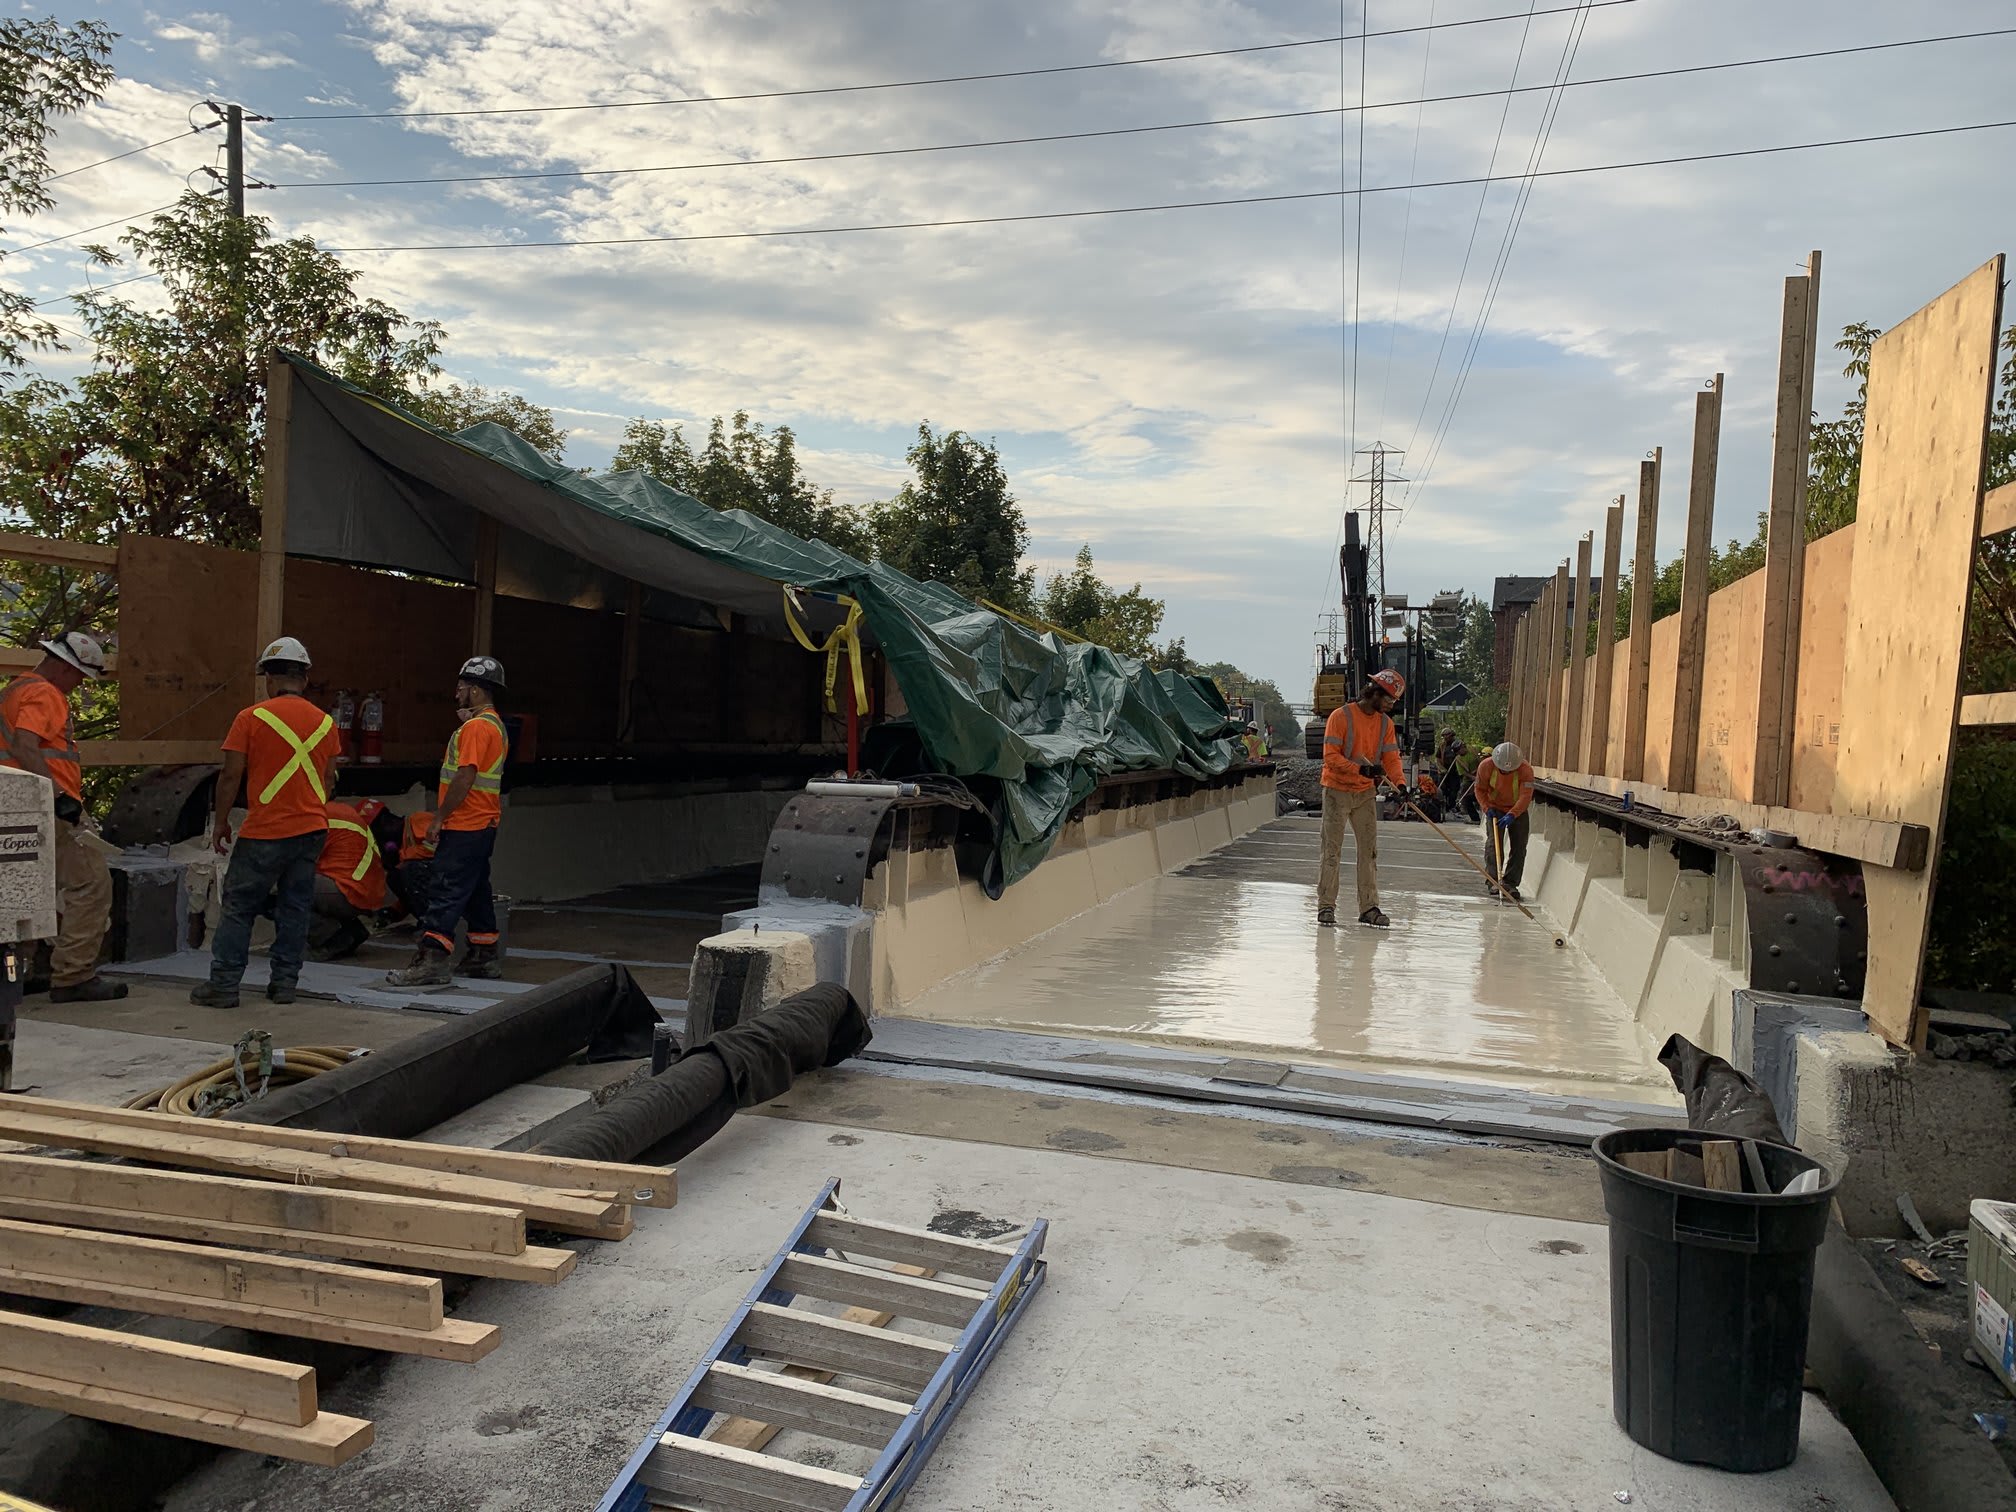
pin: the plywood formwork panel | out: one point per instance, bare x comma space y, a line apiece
1725, 751
1823, 627
1578, 661
187, 622
1604, 705
1620, 697
1917, 517
1665, 641
1638, 651
1693, 642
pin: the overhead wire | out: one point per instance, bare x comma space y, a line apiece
97, 289
86, 231
1330, 563
131, 152
834, 89
799, 159
1406, 227
1201, 204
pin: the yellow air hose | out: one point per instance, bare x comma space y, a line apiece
253, 1067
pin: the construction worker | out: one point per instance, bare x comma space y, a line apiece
1360, 747
41, 737
279, 752
463, 831
409, 860
1256, 748
349, 880
1504, 792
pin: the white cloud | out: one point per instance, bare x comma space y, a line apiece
215, 40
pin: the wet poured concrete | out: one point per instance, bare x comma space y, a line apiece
1227, 953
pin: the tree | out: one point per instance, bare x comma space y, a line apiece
457, 406
957, 523
1080, 602
1283, 728
748, 468
47, 70
1834, 452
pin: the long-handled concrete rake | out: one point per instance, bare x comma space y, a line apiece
1468, 859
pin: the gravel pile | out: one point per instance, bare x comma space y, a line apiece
1298, 782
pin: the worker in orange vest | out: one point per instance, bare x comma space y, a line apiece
349, 880
280, 752
463, 831
41, 737
1505, 791
409, 861
1360, 746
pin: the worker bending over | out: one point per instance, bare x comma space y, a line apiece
349, 880
1359, 748
1504, 792
280, 752
41, 737
463, 831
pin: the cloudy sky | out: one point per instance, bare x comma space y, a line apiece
1170, 387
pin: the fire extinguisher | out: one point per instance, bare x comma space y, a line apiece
346, 723
373, 730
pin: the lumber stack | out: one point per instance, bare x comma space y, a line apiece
335, 1237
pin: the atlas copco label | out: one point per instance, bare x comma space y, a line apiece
20, 843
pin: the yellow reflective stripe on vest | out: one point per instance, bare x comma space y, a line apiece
488, 779
370, 846
303, 759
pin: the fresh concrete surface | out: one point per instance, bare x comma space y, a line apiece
110, 1066
1203, 1341
1228, 953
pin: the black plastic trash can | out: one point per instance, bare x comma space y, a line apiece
1709, 1298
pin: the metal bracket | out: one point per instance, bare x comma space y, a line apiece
824, 845
1809, 921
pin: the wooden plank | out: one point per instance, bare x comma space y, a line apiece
1998, 511
484, 631
597, 1215
1515, 688
537, 1265
1917, 519
270, 613
633, 641
824, 1343
236, 1203
1555, 602
329, 1439
451, 1339
771, 1396
1683, 752
1578, 658
1606, 639
1988, 709
642, 1185
1785, 542
1879, 842
223, 1275
1657, 1163
741, 1479
889, 1241
1685, 1168
1722, 1164
1644, 571
28, 658
865, 1286
272, 1391
45, 551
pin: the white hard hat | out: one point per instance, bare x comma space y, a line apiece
80, 650
285, 649
1506, 757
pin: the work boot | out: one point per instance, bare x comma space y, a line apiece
97, 990
429, 969
480, 964
210, 995
1326, 917
1375, 918
1510, 891
280, 991
350, 935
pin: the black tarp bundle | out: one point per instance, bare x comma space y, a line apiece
1720, 1099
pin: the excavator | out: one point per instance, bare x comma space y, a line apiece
1341, 671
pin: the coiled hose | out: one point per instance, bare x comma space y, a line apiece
254, 1066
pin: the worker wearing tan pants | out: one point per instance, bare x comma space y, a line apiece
1361, 812
83, 909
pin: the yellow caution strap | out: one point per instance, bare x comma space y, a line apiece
846, 637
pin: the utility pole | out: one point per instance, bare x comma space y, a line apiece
1376, 507
234, 160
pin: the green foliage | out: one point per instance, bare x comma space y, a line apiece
457, 406
1283, 728
47, 70
1834, 454
1480, 724
1470, 661
744, 466
957, 523
1971, 944
1120, 620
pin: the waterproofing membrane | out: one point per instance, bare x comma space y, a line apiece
397, 1092
1041, 720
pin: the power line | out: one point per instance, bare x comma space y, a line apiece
97, 289
1343, 310
1406, 227
133, 152
833, 89
123, 220
1121, 131
1209, 204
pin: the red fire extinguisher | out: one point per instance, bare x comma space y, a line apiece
346, 723
372, 725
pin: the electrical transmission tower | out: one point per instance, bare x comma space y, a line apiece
1376, 506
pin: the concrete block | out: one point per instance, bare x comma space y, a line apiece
1662, 870
150, 908
1689, 906
841, 938
1681, 996
1602, 850
1637, 870
1620, 938
1561, 885
736, 976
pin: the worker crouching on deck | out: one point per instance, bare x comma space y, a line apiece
1360, 747
1505, 791
349, 880
463, 831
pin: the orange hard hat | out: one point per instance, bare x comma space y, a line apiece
1391, 681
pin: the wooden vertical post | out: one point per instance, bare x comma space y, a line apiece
1578, 660
1785, 541
1644, 568
1521, 730
1606, 640
1536, 657
486, 584
1557, 650
626, 691
1512, 684
1681, 763
273, 504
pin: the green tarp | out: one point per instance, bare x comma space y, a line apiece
988, 698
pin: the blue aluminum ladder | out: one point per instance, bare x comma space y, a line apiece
918, 1382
